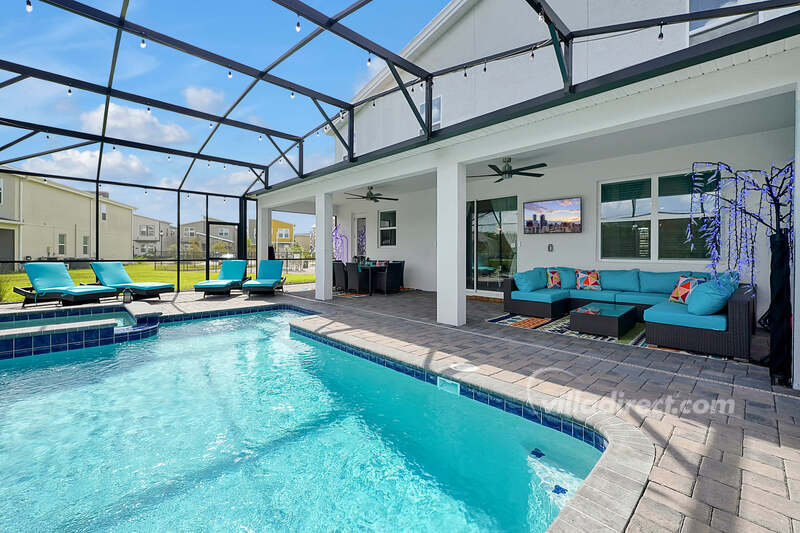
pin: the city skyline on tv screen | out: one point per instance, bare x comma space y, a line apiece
553, 216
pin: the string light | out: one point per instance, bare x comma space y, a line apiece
260, 138
169, 158
484, 67
541, 17
47, 137
533, 50
148, 110
113, 147
661, 33
230, 74
224, 167
143, 44
373, 105
369, 59
69, 91
211, 126
297, 26
317, 133
28, 6
465, 72
291, 95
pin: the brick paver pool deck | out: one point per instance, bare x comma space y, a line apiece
710, 471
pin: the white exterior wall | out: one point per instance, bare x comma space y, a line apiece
416, 233
492, 26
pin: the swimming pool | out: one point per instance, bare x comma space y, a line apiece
234, 423
123, 319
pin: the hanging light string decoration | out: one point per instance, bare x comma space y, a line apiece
737, 203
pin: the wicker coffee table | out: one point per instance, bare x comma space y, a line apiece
611, 320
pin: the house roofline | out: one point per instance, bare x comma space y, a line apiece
764, 33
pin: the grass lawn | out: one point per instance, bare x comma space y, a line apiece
137, 271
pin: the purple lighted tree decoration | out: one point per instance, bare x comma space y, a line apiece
341, 245
733, 206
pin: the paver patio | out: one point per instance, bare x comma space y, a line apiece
711, 472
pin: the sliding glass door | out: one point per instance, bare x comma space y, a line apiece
491, 242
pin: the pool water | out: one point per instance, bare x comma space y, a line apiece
122, 318
236, 424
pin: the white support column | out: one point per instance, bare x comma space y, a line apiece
451, 244
264, 237
796, 299
324, 246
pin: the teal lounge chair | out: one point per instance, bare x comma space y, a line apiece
113, 274
270, 278
231, 276
51, 281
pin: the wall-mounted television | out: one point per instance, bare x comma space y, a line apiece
553, 216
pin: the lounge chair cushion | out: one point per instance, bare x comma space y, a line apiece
595, 296
270, 269
216, 283
144, 286
542, 295
233, 269
676, 314
111, 273
86, 290
260, 283
641, 298
45, 276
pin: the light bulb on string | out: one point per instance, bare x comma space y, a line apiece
291, 95
230, 74
369, 59
661, 33
143, 43
28, 6
69, 91
297, 26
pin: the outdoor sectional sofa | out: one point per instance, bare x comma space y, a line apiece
667, 324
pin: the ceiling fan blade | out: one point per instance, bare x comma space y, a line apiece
484, 176
531, 167
356, 196
390, 199
501, 179
529, 174
496, 170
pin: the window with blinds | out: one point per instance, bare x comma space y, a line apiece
628, 218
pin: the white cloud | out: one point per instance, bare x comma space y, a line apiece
133, 124
203, 98
83, 164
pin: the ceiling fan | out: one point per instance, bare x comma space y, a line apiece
507, 172
370, 196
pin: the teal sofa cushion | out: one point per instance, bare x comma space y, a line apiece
641, 298
595, 296
547, 296
714, 296
659, 281
620, 280
568, 279
531, 280
675, 314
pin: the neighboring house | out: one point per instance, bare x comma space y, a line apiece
282, 234
221, 238
47, 219
303, 240
152, 237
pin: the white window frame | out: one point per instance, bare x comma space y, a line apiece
654, 217
387, 228
2, 191
438, 124
62, 247
282, 234
85, 245
149, 230
103, 212
188, 231
224, 232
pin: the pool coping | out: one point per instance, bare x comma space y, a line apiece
607, 498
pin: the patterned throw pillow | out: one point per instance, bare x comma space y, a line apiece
686, 284
553, 279
588, 280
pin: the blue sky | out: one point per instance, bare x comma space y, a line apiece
254, 32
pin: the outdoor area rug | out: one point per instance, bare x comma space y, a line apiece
634, 337
560, 326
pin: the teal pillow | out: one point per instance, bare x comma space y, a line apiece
708, 298
620, 280
568, 279
663, 282
729, 280
531, 280
702, 275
